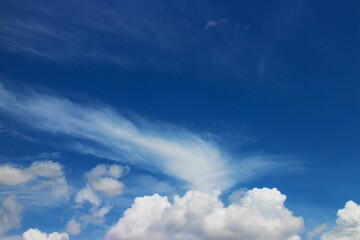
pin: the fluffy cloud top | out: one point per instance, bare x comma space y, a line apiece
347, 224
10, 214
87, 195
103, 178
35, 234
256, 214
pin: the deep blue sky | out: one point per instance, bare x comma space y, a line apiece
275, 77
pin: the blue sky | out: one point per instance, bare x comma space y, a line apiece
105, 102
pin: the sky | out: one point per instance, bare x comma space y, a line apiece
179, 120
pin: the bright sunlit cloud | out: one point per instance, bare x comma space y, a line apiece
256, 214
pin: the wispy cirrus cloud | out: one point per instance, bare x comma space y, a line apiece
157, 147
167, 34
38, 33
317, 231
13, 132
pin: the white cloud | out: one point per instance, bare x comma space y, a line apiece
295, 237
39, 176
35, 234
73, 227
96, 215
347, 224
46, 169
12, 176
10, 214
159, 147
257, 214
317, 231
103, 178
109, 186
87, 195
29, 185
214, 23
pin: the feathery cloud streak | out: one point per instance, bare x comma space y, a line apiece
103, 132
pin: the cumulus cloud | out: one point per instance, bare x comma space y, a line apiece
10, 214
255, 214
36, 234
347, 224
73, 227
159, 147
103, 178
39, 176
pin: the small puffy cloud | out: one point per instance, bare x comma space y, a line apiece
11, 176
73, 227
36, 234
114, 171
108, 186
317, 231
347, 224
87, 195
255, 214
214, 23
40, 175
46, 169
10, 214
96, 215
103, 179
